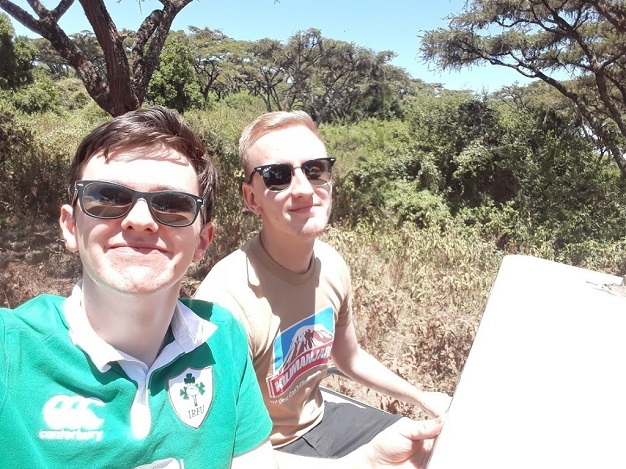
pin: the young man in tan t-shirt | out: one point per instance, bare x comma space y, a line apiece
293, 294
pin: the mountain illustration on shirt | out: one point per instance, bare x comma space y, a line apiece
299, 348
307, 338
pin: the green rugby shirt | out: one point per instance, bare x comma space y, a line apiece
198, 405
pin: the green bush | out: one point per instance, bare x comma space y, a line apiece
390, 189
74, 96
220, 127
364, 140
174, 83
33, 179
40, 96
422, 208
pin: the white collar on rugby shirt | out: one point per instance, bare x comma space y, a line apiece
189, 331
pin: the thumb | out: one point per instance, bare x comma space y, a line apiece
419, 430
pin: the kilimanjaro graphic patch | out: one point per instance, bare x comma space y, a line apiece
191, 393
298, 349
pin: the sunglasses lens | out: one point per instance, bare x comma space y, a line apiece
173, 208
318, 172
106, 200
277, 177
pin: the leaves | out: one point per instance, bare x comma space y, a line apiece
16, 56
120, 85
574, 46
174, 83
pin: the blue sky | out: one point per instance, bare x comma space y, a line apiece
377, 24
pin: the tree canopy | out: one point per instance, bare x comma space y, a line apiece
174, 83
16, 56
122, 84
331, 80
576, 47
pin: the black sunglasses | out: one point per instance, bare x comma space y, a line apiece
107, 200
277, 177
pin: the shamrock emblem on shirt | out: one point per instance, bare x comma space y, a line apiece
191, 388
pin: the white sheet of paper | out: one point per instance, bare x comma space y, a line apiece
544, 385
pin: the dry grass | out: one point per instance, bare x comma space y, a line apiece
419, 296
33, 260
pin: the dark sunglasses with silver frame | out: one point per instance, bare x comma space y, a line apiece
109, 200
277, 176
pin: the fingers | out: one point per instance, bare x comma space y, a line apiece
419, 430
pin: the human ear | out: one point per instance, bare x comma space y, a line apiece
205, 239
68, 227
249, 198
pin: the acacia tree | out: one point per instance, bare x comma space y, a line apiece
329, 79
347, 79
216, 58
46, 55
123, 87
547, 40
264, 74
174, 83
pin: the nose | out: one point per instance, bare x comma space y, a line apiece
139, 218
300, 185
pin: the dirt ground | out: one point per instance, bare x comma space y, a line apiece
33, 260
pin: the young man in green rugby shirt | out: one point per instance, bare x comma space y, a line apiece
123, 373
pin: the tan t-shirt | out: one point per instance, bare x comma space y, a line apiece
290, 319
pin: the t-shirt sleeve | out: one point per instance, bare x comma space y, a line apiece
253, 421
216, 288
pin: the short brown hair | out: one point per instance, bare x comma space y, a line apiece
145, 128
267, 123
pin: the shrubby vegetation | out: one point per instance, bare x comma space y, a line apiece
574, 47
521, 175
174, 83
432, 187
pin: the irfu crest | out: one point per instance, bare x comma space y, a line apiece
191, 393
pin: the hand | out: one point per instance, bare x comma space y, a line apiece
435, 403
406, 444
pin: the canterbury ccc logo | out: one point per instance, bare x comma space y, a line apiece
72, 413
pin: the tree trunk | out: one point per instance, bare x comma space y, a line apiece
124, 87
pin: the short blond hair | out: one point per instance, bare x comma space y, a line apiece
270, 122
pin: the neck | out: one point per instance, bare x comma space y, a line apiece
134, 324
293, 254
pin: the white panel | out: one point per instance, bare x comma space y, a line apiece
544, 385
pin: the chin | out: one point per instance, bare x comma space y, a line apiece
311, 231
137, 289
142, 284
